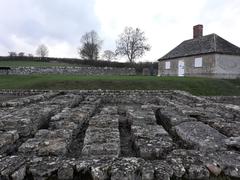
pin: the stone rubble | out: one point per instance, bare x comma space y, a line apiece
28, 100
118, 135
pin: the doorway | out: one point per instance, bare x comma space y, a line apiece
180, 68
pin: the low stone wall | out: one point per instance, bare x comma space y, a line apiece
70, 70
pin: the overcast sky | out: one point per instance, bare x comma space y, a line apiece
59, 24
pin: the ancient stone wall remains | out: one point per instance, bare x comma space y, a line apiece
70, 70
226, 99
118, 135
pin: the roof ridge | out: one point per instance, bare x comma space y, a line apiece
211, 43
205, 36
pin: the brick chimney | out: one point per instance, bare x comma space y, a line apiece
197, 31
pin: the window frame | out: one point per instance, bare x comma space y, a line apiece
167, 65
198, 62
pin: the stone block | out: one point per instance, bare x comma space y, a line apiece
200, 136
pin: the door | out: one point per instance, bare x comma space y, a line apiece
181, 68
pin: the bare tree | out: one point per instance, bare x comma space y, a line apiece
12, 54
132, 43
90, 46
42, 51
109, 55
21, 54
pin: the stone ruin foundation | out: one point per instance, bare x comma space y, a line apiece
118, 135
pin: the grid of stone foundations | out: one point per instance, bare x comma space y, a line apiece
118, 135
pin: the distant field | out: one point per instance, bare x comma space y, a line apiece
197, 86
31, 63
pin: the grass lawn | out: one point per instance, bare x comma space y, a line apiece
197, 86
31, 63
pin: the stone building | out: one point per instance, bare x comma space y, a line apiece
202, 56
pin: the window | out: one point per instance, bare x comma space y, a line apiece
198, 62
167, 65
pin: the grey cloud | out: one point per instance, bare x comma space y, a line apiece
61, 20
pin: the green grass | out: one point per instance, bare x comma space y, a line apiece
197, 86
31, 63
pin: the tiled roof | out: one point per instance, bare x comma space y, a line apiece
204, 45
